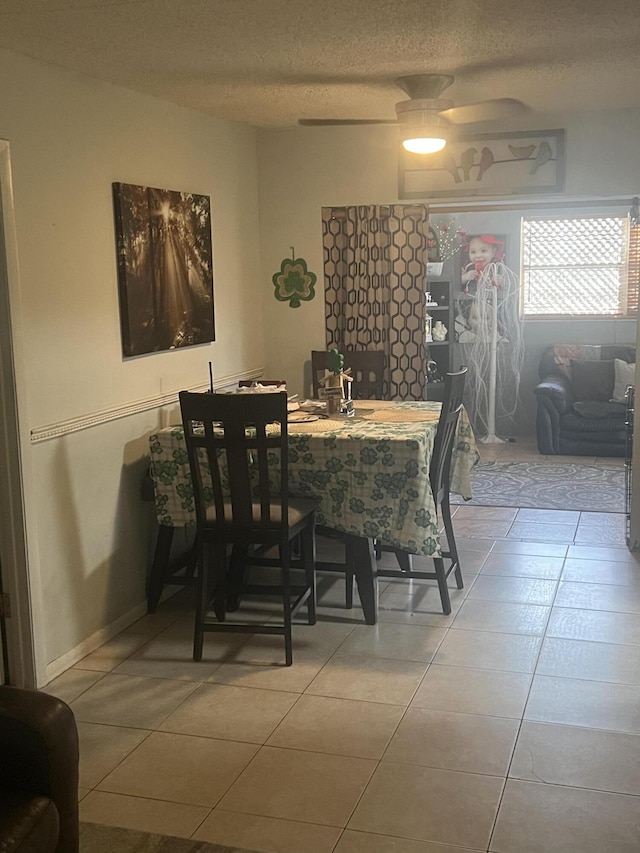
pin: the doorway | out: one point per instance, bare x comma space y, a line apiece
5, 671
16, 634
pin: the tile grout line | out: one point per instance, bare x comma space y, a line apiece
524, 709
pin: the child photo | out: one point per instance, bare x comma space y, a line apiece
478, 251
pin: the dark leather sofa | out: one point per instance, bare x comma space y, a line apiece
568, 424
38, 773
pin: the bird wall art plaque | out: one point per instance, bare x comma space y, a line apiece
484, 164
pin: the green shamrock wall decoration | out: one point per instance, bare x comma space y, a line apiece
294, 283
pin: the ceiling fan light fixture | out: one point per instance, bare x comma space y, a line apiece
424, 139
422, 128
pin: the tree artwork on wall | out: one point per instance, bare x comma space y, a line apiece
165, 268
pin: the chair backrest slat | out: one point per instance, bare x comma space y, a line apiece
367, 370
214, 480
440, 470
238, 455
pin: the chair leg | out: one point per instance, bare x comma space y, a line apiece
219, 573
348, 598
349, 576
441, 577
159, 566
296, 547
445, 509
308, 553
201, 600
404, 560
361, 561
286, 603
192, 563
211, 574
236, 576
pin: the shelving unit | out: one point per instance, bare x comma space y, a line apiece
440, 351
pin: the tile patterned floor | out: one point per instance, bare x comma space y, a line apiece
510, 726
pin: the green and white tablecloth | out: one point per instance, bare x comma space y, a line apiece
369, 477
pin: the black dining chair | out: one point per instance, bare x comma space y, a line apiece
367, 370
238, 455
439, 477
250, 383
168, 568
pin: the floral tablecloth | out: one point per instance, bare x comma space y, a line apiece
369, 476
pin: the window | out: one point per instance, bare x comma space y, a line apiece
582, 265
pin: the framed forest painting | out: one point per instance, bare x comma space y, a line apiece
165, 268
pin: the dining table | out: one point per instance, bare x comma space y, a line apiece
367, 473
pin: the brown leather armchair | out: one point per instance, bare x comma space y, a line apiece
38, 773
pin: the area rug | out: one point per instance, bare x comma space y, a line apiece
543, 485
98, 838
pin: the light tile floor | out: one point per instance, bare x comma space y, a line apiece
511, 726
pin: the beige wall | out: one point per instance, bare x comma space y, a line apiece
70, 138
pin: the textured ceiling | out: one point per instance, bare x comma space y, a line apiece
270, 62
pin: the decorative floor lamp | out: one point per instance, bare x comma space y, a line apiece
493, 324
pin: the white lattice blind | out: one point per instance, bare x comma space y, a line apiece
586, 265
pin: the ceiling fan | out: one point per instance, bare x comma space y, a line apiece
425, 119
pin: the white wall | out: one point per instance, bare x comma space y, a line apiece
303, 169
70, 138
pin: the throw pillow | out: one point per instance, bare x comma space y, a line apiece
624, 376
564, 353
592, 380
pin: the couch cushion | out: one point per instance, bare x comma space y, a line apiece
574, 423
562, 355
592, 380
615, 412
624, 376
556, 359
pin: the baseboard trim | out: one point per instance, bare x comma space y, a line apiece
61, 664
61, 428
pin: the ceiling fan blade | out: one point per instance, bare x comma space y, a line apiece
485, 111
333, 122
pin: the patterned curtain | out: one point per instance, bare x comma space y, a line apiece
375, 281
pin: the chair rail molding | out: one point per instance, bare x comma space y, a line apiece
104, 416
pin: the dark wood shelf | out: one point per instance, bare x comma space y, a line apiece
440, 351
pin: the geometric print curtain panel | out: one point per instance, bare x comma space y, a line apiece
375, 279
